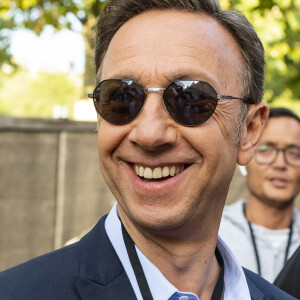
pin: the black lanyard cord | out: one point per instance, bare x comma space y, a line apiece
141, 278
219, 288
288, 243
136, 265
255, 246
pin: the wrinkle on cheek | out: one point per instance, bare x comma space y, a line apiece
226, 117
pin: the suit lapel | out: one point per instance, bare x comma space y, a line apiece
102, 275
120, 288
255, 292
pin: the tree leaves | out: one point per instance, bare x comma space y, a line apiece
276, 21
278, 25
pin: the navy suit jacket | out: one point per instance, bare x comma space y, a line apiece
90, 269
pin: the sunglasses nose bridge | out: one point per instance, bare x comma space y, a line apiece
151, 129
154, 89
149, 91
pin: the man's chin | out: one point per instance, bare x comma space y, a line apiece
160, 223
278, 202
157, 222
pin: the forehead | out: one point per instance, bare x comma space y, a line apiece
165, 44
282, 131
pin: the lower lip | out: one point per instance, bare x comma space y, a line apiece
279, 183
154, 186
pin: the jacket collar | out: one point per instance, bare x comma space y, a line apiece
255, 292
102, 275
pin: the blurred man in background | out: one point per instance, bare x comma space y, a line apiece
264, 231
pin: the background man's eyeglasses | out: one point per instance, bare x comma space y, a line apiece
189, 102
267, 154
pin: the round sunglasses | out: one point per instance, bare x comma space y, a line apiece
189, 102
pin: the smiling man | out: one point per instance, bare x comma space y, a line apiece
264, 231
179, 102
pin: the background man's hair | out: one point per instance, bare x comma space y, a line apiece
118, 12
277, 112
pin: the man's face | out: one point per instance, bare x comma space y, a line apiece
276, 184
154, 49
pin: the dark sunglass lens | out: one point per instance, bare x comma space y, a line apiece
190, 103
118, 101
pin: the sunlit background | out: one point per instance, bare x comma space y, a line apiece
46, 54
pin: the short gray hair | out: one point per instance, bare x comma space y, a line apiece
118, 12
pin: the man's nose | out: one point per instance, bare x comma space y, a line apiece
280, 160
153, 128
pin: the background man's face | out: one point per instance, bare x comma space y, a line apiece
278, 183
154, 49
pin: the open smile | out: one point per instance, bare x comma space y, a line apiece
162, 172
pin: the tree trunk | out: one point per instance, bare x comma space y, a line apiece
89, 42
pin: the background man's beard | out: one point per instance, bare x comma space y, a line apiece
278, 204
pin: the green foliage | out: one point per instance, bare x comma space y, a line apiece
276, 21
278, 25
35, 14
5, 57
26, 96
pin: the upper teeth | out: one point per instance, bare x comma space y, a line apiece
158, 172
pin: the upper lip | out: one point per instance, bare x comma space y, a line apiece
156, 163
153, 165
281, 178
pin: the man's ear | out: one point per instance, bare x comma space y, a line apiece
253, 126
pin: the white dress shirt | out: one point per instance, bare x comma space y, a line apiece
161, 289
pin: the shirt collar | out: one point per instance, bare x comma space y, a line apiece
235, 282
236, 286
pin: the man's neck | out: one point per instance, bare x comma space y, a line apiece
195, 271
267, 216
189, 264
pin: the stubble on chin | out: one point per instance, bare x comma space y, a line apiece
280, 204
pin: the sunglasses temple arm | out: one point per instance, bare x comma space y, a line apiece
248, 100
91, 96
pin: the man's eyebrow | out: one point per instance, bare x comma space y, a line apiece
128, 76
167, 80
275, 144
125, 76
294, 145
181, 76
184, 76
189, 76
